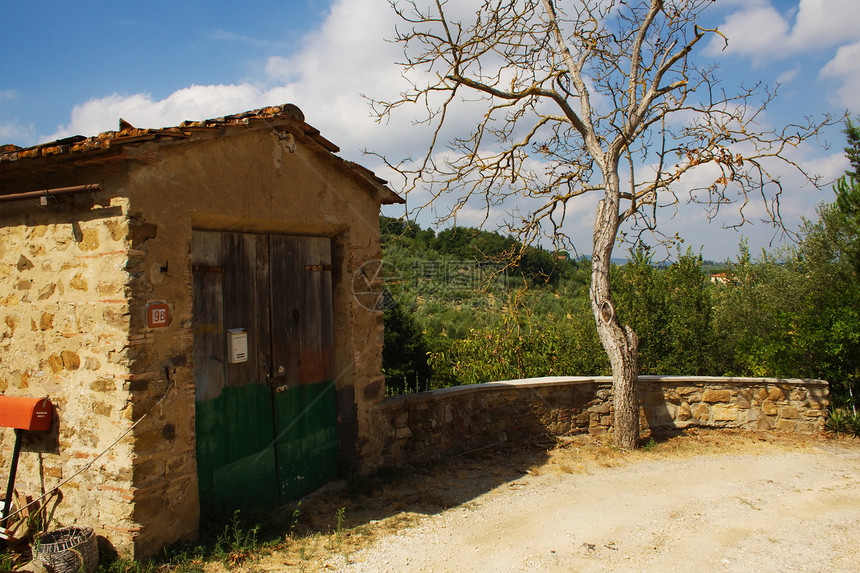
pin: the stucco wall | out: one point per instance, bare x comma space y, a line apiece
253, 184
419, 428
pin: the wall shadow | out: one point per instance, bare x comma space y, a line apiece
424, 490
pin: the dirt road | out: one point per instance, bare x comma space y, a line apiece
752, 509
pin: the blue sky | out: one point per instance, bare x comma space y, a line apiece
76, 67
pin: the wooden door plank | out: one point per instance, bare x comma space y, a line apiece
210, 418
248, 408
208, 320
240, 310
305, 413
240, 302
286, 309
262, 304
317, 331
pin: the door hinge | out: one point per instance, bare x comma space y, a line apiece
206, 269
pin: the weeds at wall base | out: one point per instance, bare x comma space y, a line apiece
843, 422
242, 542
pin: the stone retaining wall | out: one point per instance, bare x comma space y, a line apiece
419, 428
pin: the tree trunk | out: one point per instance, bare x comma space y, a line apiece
620, 342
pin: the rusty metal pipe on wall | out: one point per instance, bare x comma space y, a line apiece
90, 187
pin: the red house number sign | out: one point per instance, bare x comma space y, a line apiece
157, 315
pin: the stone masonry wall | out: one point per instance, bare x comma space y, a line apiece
786, 405
161, 382
420, 428
64, 323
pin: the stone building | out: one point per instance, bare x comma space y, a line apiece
198, 302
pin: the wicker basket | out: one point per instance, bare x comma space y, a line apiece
70, 550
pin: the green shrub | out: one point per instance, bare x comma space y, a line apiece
840, 422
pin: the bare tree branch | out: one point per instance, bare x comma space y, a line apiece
563, 92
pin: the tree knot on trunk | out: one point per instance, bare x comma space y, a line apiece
607, 311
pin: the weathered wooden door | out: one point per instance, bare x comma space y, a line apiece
265, 426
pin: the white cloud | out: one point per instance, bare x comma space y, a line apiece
335, 65
339, 62
325, 79
16, 132
192, 103
845, 66
713, 236
227, 36
786, 76
822, 23
754, 30
762, 32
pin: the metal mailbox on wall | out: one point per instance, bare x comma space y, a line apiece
238, 345
31, 414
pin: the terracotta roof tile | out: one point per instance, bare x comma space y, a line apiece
128, 134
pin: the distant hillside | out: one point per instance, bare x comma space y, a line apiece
466, 305
443, 288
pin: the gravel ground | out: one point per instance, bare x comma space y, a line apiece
750, 511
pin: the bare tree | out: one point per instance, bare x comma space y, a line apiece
595, 97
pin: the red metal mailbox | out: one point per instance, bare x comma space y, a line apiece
22, 414
26, 413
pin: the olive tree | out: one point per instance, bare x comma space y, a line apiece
575, 99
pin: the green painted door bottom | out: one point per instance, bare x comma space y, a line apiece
241, 465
